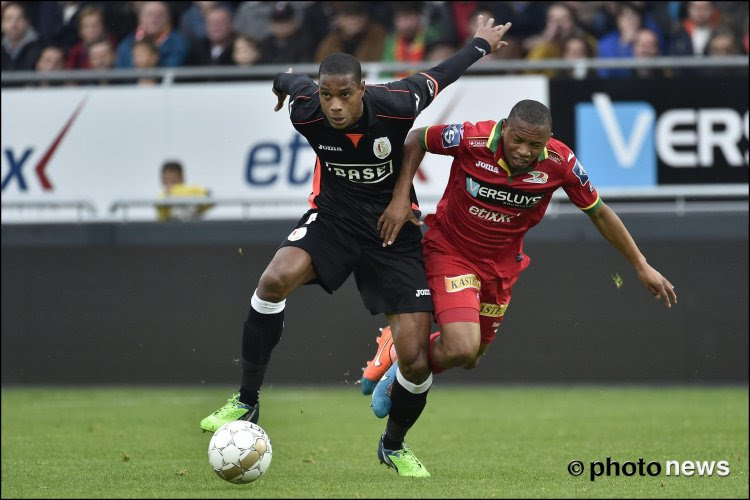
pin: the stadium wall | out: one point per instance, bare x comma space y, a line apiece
144, 303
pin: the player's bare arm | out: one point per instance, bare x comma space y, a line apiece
399, 211
492, 34
614, 231
280, 95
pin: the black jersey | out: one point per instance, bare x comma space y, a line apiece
357, 168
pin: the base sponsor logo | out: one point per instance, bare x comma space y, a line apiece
361, 173
492, 310
477, 143
462, 282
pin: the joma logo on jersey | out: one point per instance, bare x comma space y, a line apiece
487, 166
458, 283
329, 148
500, 195
489, 215
492, 310
361, 174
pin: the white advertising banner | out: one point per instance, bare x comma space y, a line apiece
104, 145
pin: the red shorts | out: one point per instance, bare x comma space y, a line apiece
455, 282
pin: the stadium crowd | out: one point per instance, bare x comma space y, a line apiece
56, 35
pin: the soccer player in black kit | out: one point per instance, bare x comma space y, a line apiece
358, 133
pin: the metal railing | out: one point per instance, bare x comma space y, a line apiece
81, 207
370, 70
665, 199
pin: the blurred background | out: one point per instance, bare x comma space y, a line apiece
146, 183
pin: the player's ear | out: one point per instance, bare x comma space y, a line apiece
361, 88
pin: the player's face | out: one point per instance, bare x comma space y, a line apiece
523, 142
341, 100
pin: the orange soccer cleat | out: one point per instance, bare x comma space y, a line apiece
384, 358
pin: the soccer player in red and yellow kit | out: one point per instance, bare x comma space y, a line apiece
501, 182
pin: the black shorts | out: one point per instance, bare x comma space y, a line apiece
391, 280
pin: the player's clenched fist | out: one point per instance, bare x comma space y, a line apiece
492, 34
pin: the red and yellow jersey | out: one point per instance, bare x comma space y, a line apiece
486, 208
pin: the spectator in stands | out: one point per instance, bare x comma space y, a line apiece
577, 48
619, 43
57, 22
692, 37
407, 41
193, 20
154, 25
101, 57
560, 24
514, 49
288, 41
440, 51
21, 46
246, 51
645, 46
354, 34
90, 30
216, 48
145, 56
254, 18
52, 58
722, 43
173, 185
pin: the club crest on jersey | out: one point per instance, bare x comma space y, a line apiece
536, 177
381, 147
580, 173
452, 135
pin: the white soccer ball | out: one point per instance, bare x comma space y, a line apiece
240, 452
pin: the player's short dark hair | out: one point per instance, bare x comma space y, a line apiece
341, 64
172, 166
532, 112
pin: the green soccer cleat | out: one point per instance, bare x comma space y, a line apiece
403, 460
233, 410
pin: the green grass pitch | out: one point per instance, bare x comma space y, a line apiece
482, 441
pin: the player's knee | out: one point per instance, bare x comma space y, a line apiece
462, 355
273, 286
414, 368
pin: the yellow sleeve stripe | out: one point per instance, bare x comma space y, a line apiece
424, 139
594, 206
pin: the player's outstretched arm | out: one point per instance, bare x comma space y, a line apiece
488, 38
281, 95
612, 228
491, 34
399, 209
